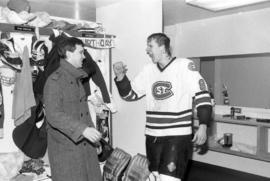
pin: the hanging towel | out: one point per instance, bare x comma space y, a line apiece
23, 92
1, 113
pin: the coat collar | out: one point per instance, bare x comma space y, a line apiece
76, 73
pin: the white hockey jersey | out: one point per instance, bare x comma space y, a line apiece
171, 93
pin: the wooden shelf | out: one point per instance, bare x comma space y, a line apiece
48, 31
213, 146
250, 122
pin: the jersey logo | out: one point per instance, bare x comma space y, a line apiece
191, 66
202, 84
162, 90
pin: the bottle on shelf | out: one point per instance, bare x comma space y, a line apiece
212, 95
226, 100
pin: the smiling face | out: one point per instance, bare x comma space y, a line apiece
154, 50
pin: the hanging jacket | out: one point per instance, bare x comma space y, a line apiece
89, 66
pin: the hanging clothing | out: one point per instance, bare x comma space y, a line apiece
23, 92
7, 79
92, 69
1, 113
89, 66
7, 143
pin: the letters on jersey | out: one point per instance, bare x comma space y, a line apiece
162, 90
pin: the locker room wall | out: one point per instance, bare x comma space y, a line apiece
132, 22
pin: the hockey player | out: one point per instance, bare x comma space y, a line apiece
172, 87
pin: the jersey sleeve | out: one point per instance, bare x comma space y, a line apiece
199, 91
133, 90
196, 85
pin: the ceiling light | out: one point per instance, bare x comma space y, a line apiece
216, 5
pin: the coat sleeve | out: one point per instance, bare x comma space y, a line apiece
55, 114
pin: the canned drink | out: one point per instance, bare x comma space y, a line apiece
228, 139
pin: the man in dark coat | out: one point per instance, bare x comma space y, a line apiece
71, 132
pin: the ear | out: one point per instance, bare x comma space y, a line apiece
162, 48
68, 54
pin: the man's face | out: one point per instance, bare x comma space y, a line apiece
154, 51
76, 57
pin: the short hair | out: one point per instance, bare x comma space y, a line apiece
161, 39
68, 44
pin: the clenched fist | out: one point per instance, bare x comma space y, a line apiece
119, 70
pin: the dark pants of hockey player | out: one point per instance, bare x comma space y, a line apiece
169, 155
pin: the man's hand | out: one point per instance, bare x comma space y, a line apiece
92, 134
200, 136
119, 70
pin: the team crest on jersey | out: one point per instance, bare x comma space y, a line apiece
191, 66
202, 84
162, 90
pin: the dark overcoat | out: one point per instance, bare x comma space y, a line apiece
71, 156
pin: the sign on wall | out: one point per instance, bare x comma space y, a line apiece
102, 43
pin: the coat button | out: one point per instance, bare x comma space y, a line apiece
71, 82
81, 114
84, 144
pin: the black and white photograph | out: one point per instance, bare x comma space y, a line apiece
102, 123
141, 90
